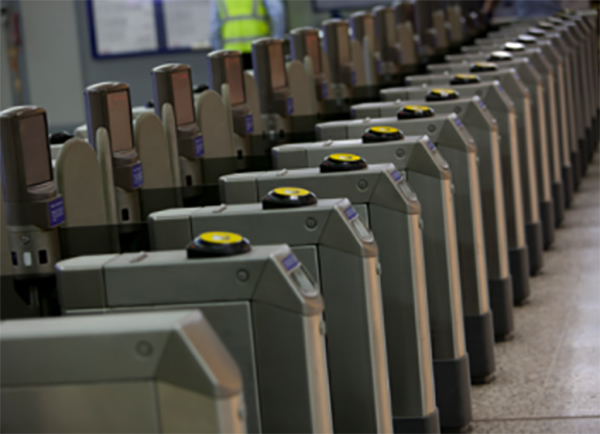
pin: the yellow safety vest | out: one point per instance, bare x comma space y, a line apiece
243, 22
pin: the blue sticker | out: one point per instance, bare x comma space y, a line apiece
56, 211
324, 92
500, 88
517, 75
458, 122
481, 104
353, 78
290, 106
378, 67
199, 145
396, 175
249, 126
350, 213
137, 175
290, 262
430, 145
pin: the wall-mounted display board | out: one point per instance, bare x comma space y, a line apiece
140, 27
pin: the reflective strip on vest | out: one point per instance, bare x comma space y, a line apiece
243, 22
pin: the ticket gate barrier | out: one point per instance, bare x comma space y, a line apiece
305, 47
558, 62
349, 81
128, 372
494, 100
278, 111
529, 76
372, 189
328, 236
260, 300
408, 36
547, 108
572, 108
12, 304
34, 208
449, 134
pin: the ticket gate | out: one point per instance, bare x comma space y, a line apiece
565, 44
349, 80
531, 79
328, 236
558, 63
469, 110
305, 47
109, 120
135, 372
11, 304
449, 134
511, 116
582, 40
380, 194
173, 101
386, 45
571, 108
430, 23
34, 208
287, 97
260, 300
547, 108
408, 36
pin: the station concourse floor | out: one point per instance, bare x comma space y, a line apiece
548, 376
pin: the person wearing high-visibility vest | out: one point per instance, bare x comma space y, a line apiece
236, 23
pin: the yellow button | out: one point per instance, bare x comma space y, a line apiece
440, 91
466, 76
220, 238
416, 108
485, 65
291, 191
383, 130
346, 157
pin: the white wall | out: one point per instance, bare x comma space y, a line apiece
53, 61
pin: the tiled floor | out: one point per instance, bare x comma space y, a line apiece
548, 377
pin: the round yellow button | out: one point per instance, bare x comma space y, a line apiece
221, 238
466, 76
416, 108
291, 191
346, 157
440, 91
384, 130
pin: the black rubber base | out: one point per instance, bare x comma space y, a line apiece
519, 270
547, 214
501, 303
429, 424
569, 185
534, 236
453, 393
576, 165
479, 334
583, 156
558, 197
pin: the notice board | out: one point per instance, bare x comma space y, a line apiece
142, 27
